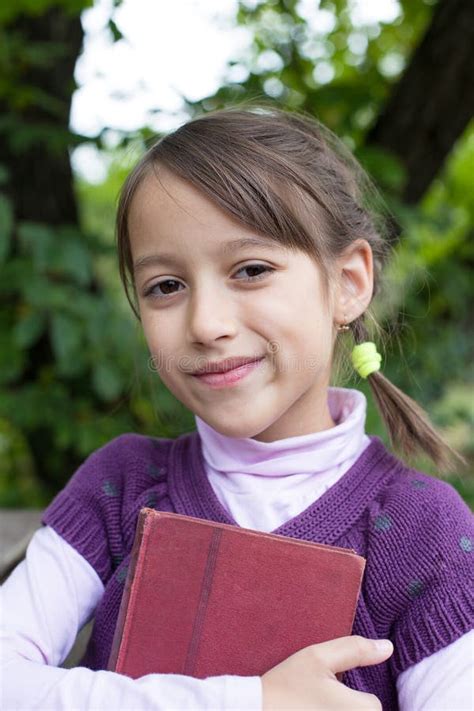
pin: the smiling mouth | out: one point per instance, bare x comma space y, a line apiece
227, 365
228, 378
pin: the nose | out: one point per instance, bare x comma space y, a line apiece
211, 314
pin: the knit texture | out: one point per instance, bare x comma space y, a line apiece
415, 531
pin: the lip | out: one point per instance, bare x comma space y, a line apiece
226, 365
228, 378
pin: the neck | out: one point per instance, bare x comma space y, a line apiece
312, 417
335, 444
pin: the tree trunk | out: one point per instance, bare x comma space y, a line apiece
34, 147
434, 99
41, 186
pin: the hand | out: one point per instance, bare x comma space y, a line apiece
307, 679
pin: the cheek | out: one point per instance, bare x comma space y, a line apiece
158, 339
301, 318
149, 328
164, 343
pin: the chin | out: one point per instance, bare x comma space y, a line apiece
237, 430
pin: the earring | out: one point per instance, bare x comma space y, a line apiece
343, 327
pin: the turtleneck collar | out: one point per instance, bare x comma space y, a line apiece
334, 447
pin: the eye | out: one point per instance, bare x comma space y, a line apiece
153, 289
167, 287
252, 267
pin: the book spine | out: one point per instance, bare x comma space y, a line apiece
119, 627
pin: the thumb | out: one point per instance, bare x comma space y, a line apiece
345, 653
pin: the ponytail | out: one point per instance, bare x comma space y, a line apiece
407, 424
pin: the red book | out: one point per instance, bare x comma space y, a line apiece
204, 599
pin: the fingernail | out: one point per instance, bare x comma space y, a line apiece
383, 645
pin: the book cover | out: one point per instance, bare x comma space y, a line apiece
204, 599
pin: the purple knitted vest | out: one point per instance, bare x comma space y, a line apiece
415, 531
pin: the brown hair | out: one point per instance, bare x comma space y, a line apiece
288, 177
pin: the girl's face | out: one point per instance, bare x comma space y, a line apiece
203, 298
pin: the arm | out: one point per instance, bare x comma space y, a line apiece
435, 631
441, 682
45, 601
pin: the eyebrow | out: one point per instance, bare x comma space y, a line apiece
232, 246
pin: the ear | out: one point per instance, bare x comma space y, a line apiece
355, 282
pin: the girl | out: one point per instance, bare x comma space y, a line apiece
246, 252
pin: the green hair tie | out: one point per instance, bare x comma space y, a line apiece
365, 358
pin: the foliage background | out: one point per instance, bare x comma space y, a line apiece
73, 364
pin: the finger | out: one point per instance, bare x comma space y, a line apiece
345, 653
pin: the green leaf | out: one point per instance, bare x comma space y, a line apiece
4, 174
14, 274
107, 381
38, 240
40, 293
12, 359
66, 337
28, 330
19, 487
10, 10
6, 224
383, 166
71, 256
116, 34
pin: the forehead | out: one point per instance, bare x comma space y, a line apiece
172, 198
170, 212
161, 192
